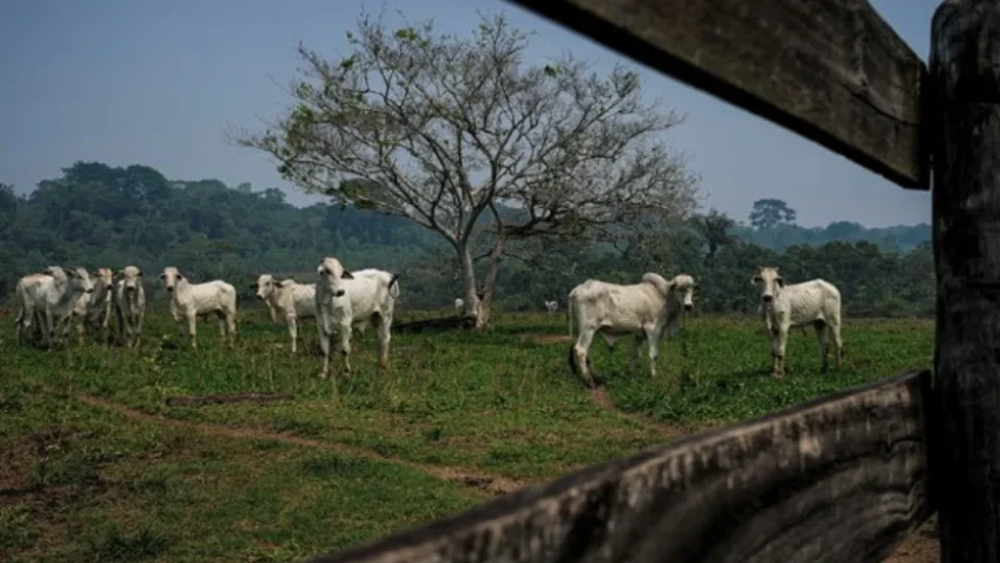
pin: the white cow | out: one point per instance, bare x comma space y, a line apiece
130, 305
815, 302
647, 309
551, 306
49, 298
459, 303
345, 302
188, 301
100, 304
287, 302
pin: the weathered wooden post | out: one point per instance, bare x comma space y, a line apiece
965, 87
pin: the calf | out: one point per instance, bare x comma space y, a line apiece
647, 309
130, 306
49, 298
188, 301
551, 306
815, 302
345, 302
287, 301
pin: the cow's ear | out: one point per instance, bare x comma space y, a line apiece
755, 280
278, 283
140, 273
347, 275
163, 276
180, 276
780, 281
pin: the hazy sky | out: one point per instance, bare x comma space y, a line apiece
155, 83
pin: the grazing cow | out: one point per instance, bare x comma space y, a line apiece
551, 306
287, 301
188, 301
49, 298
646, 309
459, 303
345, 302
815, 302
130, 305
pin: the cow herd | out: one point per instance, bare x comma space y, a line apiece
341, 301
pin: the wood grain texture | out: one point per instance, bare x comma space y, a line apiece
834, 480
830, 70
965, 85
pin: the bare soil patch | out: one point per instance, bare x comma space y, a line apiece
600, 398
546, 338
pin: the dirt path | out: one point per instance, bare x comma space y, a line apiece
492, 483
600, 398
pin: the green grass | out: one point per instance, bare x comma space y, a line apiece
81, 482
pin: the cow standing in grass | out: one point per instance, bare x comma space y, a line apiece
130, 305
814, 302
99, 306
648, 309
49, 298
288, 302
345, 302
188, 301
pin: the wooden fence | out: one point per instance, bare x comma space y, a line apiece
844, 478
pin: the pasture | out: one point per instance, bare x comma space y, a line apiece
95, 466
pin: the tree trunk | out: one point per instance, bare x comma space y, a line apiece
470, 296
489, 285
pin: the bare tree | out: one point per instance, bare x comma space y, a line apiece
465, 139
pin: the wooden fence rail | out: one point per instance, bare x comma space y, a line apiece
844, 478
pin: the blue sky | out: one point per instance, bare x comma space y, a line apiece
155, 83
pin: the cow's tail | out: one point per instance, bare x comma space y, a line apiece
393, 286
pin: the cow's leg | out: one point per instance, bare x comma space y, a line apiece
653, 341
324, 344
192, 321
780, 344
231, 322
345, 346
221, 315
79, 332
49, 327
137, 330
580, 350
22, 323
634, 352
383, 342
293, 331
823, 344
838, 344
773, 334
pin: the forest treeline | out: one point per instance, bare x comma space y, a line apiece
97, 215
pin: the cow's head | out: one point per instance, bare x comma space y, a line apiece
683, 286
129, 276
770, 283
80, 278
171, 277
104, 279
331, 274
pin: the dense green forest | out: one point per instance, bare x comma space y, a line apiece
97, 215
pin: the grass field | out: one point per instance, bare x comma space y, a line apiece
94, 465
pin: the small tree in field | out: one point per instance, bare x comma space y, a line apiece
464, 138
